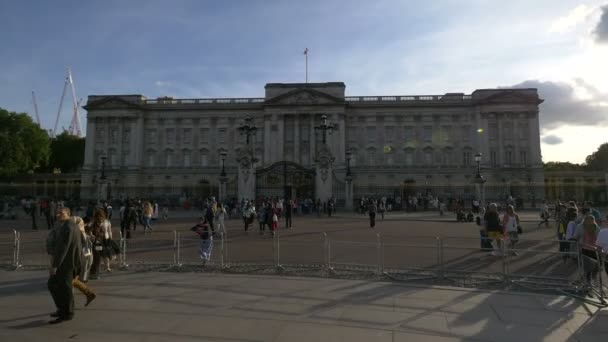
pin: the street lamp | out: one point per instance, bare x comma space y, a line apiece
223, 155
480, 180
248, 129
325, 126
103, 167
349, 155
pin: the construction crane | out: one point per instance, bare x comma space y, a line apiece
36, 108
75, 123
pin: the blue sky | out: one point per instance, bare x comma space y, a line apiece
192, 49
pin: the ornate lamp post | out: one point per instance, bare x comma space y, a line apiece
223, 155
223, 177
325, 127
103, 186
349, 181
248, 129
103, 167
480, 180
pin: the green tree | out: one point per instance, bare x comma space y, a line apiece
67, 152
562, 166
24, 146
598, 160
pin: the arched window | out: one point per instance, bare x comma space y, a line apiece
204, 158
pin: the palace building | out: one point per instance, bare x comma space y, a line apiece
310, 140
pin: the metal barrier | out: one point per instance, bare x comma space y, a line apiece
9, 254
532, 264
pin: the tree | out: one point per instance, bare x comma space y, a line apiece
598, 160
67, 152
562, 166
24, 146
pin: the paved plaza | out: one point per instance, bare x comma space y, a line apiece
167, 306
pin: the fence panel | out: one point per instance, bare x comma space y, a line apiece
301, 257
426, 263
466, 258
250, 253
32, 252
353, 255
156, 249
542, 260
189, 255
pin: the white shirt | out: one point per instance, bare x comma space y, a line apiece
570, 230
511, 225
602, 239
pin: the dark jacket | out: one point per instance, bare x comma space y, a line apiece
492, 221
67, 250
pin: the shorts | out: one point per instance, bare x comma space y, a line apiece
513, 236
495, 235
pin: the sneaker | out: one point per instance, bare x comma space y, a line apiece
496, 253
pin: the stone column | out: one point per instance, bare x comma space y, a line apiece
280, 139
138, 136
324, 174
89, 156
534, 139
296, 139
222, 188
267, 141
349, 193
313, 141
246, 175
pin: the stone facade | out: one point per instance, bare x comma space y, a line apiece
399, 144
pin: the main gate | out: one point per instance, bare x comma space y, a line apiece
275, 180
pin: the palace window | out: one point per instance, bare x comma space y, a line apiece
151, 136
186, 158
126, 135
445, 134
389, 133
169, 159
427, 134
125, 158
493, 131
99, 135
371, 134
187, 135
493, 158
222, 135
428, 158
170, 136
523, 131
508, 157
523, 158
113, 159
409, 134
466, 133
204, 139
151, 158
371, 157
467, 158
113, 135
204, 159
409, 158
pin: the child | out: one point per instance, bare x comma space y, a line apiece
275, 222
206, 242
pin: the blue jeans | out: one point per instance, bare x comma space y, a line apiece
147, 221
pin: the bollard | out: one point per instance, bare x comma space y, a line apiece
440, 257
505, 266
277, 248
222, 245
225, 256
178, 239
379, 254
123, 252
16, 250
175, 251
326, 252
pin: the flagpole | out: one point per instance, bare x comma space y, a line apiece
306, 57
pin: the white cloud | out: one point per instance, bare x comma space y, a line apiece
552, 140
571, 20
601, 29
162, 83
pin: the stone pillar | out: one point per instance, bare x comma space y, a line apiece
313, 142
246, 175
349, 193
280, 139
89, 155
296, 139
222, 188
534, 139
138, 136
267, 142
324, 174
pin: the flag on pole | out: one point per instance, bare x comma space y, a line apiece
306, 51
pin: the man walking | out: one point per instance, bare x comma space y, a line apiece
288, 210
66, 263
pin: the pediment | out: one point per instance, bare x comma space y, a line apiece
304, 97
110, 102
511, 96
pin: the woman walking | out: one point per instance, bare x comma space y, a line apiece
220, 217
586, 235
147, 212
510, 222
100, 228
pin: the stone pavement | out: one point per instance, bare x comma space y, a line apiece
218, 307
